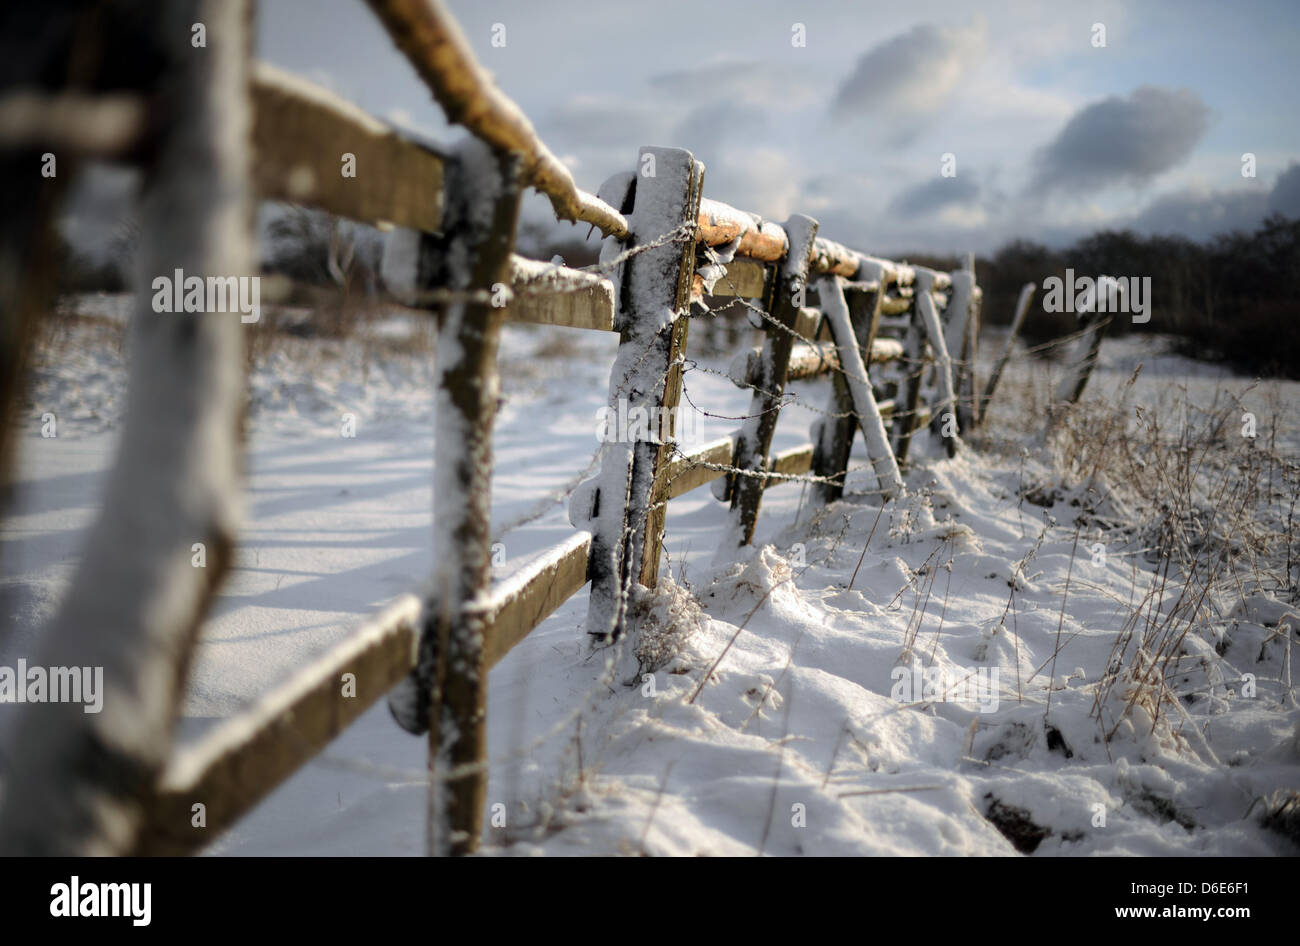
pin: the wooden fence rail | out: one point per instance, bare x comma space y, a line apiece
825, 309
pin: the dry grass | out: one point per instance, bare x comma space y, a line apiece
1210, 509
663, 620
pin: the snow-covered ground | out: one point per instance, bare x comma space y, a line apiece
830, 722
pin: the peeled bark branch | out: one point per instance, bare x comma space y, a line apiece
429, 37
768, 242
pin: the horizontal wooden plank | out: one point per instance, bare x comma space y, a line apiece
793, 462
721, 224
229, 770
232, 768
528, 597
885, 349
301, 133
808, 324
547, 294
104, 125
894, 305
745, 279
808, 361
686, 473
834, 259
887, 409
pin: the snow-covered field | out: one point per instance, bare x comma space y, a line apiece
900, 701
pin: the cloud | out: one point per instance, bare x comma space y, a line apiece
935, 195
589, 122
1200, 214
761, 179
1121, 140
1285, 198
911, 75
707, 128
768, 85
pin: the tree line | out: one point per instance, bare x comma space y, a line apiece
1232, 299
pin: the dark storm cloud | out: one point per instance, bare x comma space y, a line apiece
1201, 215
935, 195
1123, 140
912, 73
1285, 198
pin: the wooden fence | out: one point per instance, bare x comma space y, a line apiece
261, 133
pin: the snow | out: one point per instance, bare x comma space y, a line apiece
553, 277
718, 257
872, 268
795, 743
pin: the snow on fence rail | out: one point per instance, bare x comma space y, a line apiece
667, 247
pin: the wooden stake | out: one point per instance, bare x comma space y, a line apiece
946, 398
484, 189
646, 378
833, 436
863, 401
1022, 309
755, 439
905, 420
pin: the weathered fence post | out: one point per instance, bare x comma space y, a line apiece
471, 258
1095, 316
962, 340
660, 454
78, 782
1022, 309
833, 436
755, 438
652, 319
70, 77
946, 396
865, 308
836, 312
908, 398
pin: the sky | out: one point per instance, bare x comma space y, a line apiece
1049, 135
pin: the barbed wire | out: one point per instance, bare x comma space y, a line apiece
828, 366
680, 234
692, 462
543, 506
637, 522
534, 285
